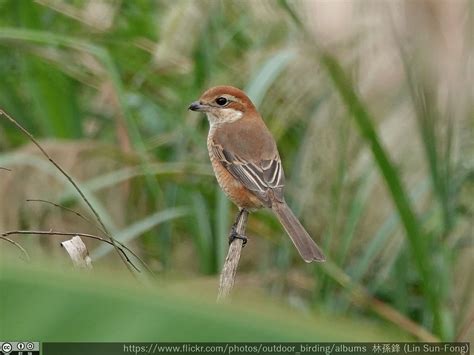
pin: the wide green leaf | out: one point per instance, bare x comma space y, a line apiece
48, 305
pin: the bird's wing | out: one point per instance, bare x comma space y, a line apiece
260, 177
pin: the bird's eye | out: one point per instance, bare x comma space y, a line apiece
221, 101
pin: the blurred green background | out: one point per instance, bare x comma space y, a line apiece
371, 104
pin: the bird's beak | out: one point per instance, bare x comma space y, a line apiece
197, 106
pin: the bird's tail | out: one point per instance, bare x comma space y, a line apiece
306, 246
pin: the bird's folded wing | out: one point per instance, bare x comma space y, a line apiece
259, 177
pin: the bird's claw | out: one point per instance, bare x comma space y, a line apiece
234, 235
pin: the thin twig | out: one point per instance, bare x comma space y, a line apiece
17, 245
73, 183
465, 328
229, 270
72, 211
145, 265
2, 168
85, 235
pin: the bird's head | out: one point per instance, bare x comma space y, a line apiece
223, 104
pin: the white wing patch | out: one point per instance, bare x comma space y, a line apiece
261, 177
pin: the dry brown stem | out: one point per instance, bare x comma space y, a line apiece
231, 263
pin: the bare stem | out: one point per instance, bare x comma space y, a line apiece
72, 234
231, 263
73, 183
98, 228
17, 245
84, 218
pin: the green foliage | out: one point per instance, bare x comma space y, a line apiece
74, 307
374, 131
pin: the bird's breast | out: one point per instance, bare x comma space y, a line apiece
234, 190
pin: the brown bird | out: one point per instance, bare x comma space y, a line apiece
246, 162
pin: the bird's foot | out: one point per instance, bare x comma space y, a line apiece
234, 235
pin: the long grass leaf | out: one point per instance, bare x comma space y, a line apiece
136, 229
380, 238
103, 55
203, 233
399, 196
267, 74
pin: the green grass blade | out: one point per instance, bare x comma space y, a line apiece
138, 228
267, 74
112, 178
203, 233
48, 38
380, 238
101, 305
355, 213
416, 239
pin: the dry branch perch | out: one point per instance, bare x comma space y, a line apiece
229, 269
77, 250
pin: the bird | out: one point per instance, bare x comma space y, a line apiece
246, 162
